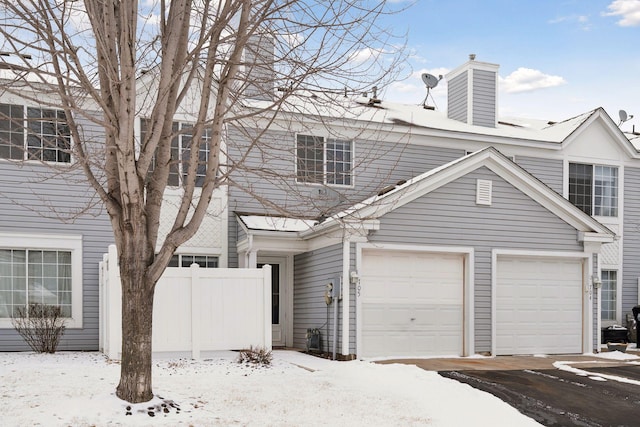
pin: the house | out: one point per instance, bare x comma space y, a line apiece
398, 230
487, 236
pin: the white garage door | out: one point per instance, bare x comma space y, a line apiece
538, 306
411, 303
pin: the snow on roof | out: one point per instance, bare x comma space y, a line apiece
634, 138
275, 223
415, 116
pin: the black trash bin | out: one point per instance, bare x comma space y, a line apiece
615, 334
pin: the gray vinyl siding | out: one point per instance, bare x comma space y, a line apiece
484, 98
449, 216
259, 70
457, 102
631, 240
265, 182
312, 271
35, 199
549, 171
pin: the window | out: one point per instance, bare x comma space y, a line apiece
594, 189
46, 270
45, 136
184, 260
323, 161
608, 294
12, 132
181, 153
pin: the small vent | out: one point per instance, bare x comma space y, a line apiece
483, 192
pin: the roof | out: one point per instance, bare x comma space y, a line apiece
275, 223
377, 206
333, 105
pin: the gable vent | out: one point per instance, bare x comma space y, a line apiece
483, 192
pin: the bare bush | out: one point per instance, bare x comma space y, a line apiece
257, 356
40, 325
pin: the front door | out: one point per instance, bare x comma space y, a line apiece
277, 298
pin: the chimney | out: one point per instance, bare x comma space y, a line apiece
259, 72
472, 95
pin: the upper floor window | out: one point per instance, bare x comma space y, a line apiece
44, 135
594, 189
184, 260
324, 161
181, 153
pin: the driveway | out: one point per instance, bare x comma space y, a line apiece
576, 391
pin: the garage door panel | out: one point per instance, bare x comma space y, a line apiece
538, 306
411, 303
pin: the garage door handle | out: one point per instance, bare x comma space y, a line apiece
413, 318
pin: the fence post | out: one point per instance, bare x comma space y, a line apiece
114, 306
266, 292
196, 304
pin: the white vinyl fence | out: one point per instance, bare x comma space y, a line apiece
195, 309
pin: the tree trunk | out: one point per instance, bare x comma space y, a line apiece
137, 313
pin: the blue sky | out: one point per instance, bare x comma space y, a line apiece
557, 58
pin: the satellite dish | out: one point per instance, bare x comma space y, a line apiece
624, 117
430, 81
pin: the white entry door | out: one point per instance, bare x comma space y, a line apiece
277, 297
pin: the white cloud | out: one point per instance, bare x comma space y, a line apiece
628, 10
581, 20
527, 79
365, 55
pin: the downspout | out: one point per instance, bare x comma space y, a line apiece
336, 298
346, 287
598, 286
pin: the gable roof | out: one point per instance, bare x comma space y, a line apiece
374, 207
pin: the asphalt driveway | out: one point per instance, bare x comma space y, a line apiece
597, 393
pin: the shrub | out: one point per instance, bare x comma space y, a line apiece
40, 325
257, 355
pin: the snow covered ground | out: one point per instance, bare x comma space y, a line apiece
77, 389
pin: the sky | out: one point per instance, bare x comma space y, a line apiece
557, 58
77, 388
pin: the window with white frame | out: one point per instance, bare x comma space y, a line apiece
41, 269
594, 189
322, 160
185, 260
608, 294
40, 134
181, 153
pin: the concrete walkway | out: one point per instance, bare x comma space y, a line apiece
506, 363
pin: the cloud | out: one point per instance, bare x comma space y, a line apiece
527, 79
628, 10
365, 55
581, 20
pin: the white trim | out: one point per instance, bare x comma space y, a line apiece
468, 333
71, 243
587, 332
286, 290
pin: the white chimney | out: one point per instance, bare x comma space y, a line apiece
472, 95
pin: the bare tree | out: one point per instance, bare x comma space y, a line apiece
109, 62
